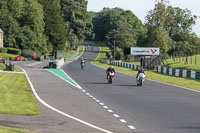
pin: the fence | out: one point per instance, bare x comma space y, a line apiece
195, 59
179, 72
122, 64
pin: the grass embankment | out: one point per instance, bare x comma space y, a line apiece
16, 97
7, 130
4, 68
179, 63
185, 82
81, 49
7, 56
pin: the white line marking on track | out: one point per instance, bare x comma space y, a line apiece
105, 107
101, 103
60, 112
116, 115
123, 121
110, 111
131, 127
97, 101
11, 72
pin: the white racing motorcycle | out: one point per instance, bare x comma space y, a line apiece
140, 79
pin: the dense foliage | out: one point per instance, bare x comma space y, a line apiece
118, 26
170, 28
166, 27
44, 25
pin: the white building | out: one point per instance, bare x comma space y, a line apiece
1, 38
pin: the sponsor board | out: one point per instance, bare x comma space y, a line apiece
145, 51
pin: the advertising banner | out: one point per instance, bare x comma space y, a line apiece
145, 51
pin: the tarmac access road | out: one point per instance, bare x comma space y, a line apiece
152, 108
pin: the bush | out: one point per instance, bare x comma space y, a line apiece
3, 50
119, 54
14, 51
27, 52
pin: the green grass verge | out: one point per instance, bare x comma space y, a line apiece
7, 56
16, 97
8, 130
153, 75
179, 63
4, 68
81, 48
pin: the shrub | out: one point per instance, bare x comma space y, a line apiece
14, 51
3, 50
119, 54
27, 52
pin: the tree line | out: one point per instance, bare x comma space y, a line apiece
166, 27
44, 25
48, 25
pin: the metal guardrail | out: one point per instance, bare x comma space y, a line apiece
122, 64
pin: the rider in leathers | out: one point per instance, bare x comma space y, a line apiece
110, 69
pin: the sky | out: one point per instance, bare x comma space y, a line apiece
141, 7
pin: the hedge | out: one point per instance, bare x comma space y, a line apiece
3, 50
29, 53
14, 51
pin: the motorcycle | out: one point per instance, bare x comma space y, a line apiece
82, 65
140, 79
111, 75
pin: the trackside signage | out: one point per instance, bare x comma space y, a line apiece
145, 51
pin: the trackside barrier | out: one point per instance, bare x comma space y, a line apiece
60, 62
124, 64
179, 72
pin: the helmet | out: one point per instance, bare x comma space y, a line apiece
111, 66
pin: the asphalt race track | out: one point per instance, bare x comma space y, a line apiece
152, 108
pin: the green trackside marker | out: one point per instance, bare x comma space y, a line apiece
63, 75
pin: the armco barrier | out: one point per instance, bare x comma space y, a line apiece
123, 64
179, 72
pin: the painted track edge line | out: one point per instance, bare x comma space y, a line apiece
60, 112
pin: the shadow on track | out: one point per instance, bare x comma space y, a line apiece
127, 85
96, 83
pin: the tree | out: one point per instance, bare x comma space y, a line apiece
55, 26
170, 28
22, 21
75, 13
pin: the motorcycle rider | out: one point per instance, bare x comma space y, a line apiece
110, 69
82, 61
140, 70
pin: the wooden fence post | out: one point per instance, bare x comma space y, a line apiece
195, 60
